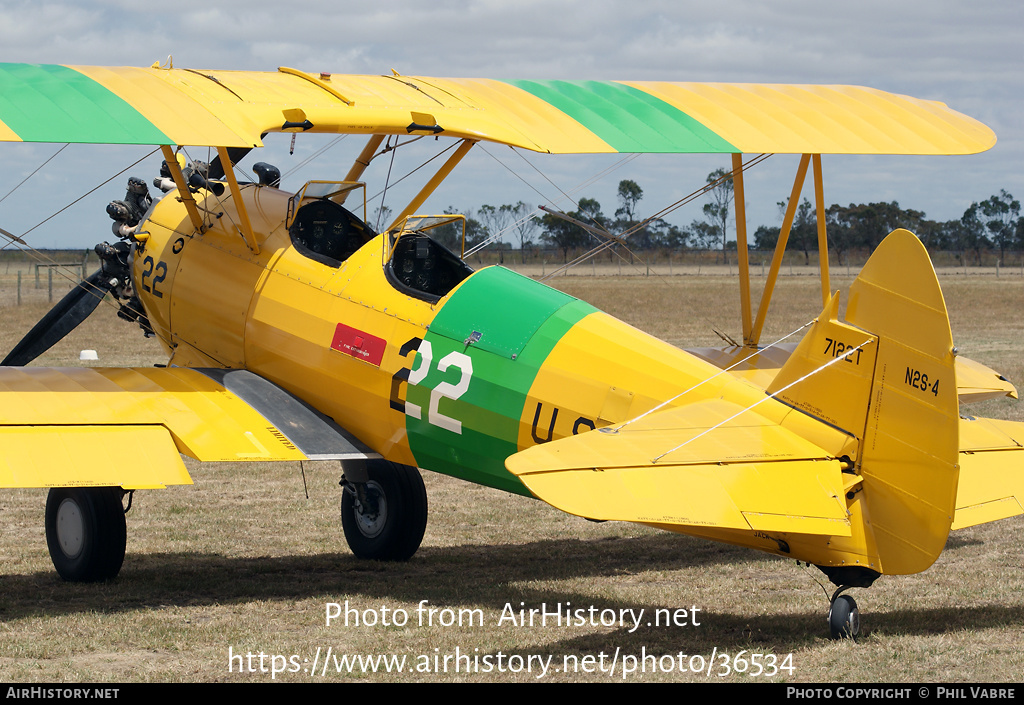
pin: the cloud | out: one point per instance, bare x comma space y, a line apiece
966, 55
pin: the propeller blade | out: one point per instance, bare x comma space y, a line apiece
63, 318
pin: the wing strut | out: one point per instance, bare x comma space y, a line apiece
752, 333
359, 166
236, 193
742, 255
183, 193
431, 185
819, 201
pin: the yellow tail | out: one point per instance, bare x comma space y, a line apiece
892, 387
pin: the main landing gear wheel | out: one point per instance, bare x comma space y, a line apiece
85, 532
384, 518
843, 616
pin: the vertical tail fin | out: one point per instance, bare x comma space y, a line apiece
896, 393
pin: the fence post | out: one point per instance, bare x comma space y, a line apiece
19, 287
49, 282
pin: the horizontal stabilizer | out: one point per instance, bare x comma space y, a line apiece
991, 483
974, 381
977, 382
747, 473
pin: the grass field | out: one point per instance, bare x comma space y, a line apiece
242, 563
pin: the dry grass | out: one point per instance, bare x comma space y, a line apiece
243, 560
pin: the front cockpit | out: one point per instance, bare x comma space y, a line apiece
321, 228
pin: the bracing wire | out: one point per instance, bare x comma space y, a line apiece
20, 183
708, 379
80, 198
815, 371
663, 212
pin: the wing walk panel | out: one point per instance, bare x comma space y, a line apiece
315, 435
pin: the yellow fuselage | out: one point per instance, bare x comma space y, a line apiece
499, 364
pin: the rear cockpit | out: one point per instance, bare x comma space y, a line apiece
416, 261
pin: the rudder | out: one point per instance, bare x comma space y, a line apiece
896, 393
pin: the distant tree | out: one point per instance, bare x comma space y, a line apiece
590, 212
451, 235
932, 234
496, 219
864, 225
629, 195
972, 236
704, 235
381, 217
666, 235
525, 226
626, 218
717, 212
765, 237
1001, 215
565, 235
803, 235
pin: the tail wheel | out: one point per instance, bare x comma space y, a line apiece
844, 618
384, 518
86, 532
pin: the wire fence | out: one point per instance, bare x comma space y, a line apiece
542, 263
46, 275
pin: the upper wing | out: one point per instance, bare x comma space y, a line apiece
126, 427
125, 105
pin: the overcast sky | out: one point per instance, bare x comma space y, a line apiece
968, 55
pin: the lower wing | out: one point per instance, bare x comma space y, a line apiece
126, 427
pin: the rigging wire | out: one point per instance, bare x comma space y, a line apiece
315, 155
82, 197
665, 403
621, 162
34, 172
62, 270
398, 181
387, 180
663, 212
815, 371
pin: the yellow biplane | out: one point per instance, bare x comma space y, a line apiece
294, 331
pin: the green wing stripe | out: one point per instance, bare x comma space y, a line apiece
49, 103
520, 330
626, 118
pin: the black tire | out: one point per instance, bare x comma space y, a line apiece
392, 530
86, 532
844, 618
